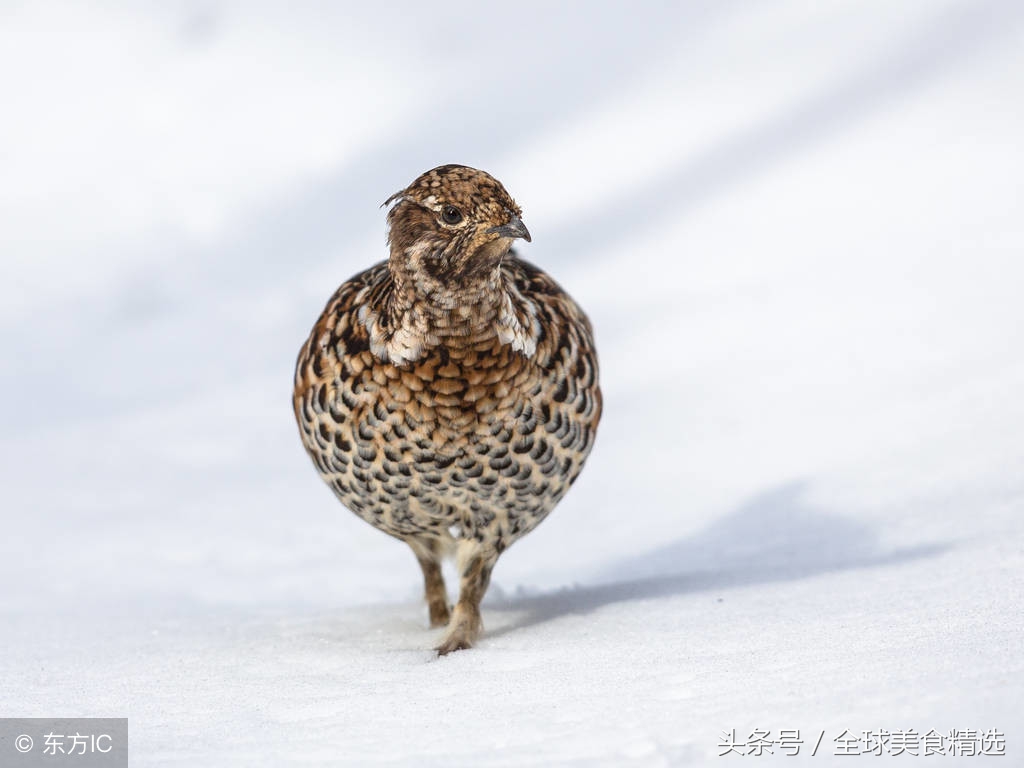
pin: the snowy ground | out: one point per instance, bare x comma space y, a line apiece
798, 230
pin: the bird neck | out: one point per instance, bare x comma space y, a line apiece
466, 308
420, 314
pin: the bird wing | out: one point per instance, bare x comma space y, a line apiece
565, 349
338, 333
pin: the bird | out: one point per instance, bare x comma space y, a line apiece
449, 394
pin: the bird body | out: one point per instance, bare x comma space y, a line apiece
449, 395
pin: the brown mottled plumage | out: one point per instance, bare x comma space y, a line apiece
449, 395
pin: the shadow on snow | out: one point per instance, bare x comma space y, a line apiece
775, 537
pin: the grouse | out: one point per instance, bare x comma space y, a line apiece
449, 395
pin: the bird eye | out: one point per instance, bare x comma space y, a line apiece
451, 214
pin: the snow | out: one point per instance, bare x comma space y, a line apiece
798, 232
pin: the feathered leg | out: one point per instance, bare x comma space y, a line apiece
475, 561
428, 552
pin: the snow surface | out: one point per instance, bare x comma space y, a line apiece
798, 230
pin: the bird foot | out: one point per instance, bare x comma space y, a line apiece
462, 632
439, 614
453, 643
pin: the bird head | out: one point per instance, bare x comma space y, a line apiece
452, 225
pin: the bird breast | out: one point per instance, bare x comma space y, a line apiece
451, 396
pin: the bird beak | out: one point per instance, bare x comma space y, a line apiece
515, 228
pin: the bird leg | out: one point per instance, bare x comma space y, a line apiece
428, 554
475, 574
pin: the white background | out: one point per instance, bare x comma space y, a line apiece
798, 231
